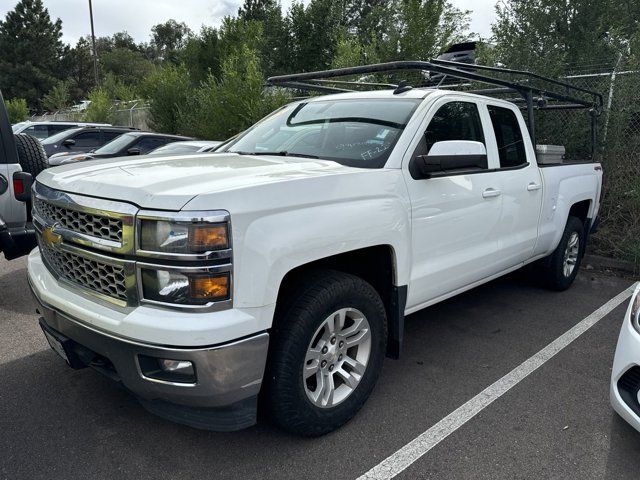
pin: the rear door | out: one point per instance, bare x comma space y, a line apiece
455, 218
520, 182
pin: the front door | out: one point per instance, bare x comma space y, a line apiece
455, 218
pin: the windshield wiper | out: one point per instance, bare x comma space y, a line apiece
278, 154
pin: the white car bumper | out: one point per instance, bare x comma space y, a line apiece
625, 377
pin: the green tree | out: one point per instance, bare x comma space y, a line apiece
168, 89
222, 107
423, 28
31, 52
17, 110
201, 54
99, 110
118, 90
274, 46
556, 36
79, 67
58, 97
169, 37
315, 31
127, 65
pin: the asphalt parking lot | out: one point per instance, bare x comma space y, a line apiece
555, 423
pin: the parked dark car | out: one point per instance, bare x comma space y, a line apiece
82, 139
131, 143
42, 130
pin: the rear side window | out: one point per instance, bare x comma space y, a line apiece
455, 121
108, 136
53, 129
38, 131
88, 139
151, 143
508, 136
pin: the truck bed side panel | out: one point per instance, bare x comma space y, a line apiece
564, 186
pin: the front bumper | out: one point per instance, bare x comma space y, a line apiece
625, 375
228, 377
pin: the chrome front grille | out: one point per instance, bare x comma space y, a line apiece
88, 273
81, 222
89, 244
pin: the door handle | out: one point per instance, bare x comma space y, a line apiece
534, 186
491, 192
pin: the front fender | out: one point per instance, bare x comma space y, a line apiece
275, 244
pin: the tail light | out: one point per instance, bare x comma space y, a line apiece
22, 186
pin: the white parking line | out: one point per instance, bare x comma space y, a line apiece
403, 458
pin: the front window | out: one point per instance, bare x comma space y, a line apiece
59, 137
358, 133
114, 146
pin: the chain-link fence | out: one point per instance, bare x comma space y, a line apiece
619, 234
136, 116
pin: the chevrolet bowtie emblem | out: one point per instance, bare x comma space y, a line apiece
51, 237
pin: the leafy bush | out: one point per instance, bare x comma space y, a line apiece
100, 107
17, 110
168, 89
58, 97
222, 107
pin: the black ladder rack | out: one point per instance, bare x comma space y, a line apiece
533, 91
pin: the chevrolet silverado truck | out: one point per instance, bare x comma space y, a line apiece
21, 159
277, 272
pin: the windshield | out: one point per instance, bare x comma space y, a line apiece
58, 137
358, 133
115, 145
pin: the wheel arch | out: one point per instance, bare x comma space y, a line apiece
377, 265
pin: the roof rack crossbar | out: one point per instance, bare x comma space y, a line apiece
521, 72
447, 68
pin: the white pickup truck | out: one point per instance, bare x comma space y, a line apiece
283, 266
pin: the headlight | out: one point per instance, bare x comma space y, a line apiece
198, 245
180, 287
183, 237
635, 311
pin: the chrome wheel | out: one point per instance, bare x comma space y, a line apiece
337, 357
571, 254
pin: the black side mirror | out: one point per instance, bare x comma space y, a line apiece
134, 151
448, 157
69, 142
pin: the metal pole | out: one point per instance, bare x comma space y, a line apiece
93, 41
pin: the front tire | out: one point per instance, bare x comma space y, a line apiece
327, 352
559, 270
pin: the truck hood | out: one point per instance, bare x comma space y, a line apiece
170, 182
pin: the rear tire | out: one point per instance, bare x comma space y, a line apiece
326, 354
559, 270
31, 154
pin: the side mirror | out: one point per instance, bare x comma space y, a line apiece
69, 142
134, 151
451, 156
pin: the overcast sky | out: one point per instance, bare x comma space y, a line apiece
138, 16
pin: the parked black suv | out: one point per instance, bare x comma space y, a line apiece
132, 143
82, 139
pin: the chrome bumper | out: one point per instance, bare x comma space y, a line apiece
228, 377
